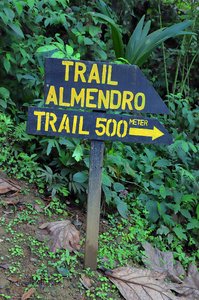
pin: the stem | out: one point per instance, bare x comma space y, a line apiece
164, 54
178, 67
188, 71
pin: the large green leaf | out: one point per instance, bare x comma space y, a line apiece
103, 8
46, 48
16, 28
80, 177
121, 207
141, 44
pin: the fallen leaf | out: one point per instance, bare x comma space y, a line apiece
5, 266
138, 284
86, 281
63, 235
190, 285
8, 186
12, 201
38, 208
63, 271
13, 279
28, 294
162, 262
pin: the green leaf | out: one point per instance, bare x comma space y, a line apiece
107, 193
193, 224
161, 208
69, 50
6, 65
9, 13
106, 179
80, 177
141, 44
63, 271
16, 28
78, 153
51, 144
185, 146
58, 54
116, 34
4, 93
66, 142
150, 154
185, 213
118, 187
152, 208
162, 163
31, 3
88, 41
46, 48
163, 230
197, 211
19, 7
135, 39
121, 207
163, 192
179, 231
3, 103
94, 30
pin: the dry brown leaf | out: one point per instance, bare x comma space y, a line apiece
12, 201
63, 235
5, 266
162, 262
8, 186
86, 281
190, 286
137, 284
13, 279
28, 294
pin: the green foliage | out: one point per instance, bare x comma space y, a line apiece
141, 43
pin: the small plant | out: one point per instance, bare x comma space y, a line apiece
42, 274
14, 267
5, 296
16, 251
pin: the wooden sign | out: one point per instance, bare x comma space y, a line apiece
96, 126
99, 86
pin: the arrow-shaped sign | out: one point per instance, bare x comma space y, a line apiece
154, 133
96, 126
99, 86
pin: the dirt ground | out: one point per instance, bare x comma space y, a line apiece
17, 228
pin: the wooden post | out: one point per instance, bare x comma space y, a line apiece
93, 204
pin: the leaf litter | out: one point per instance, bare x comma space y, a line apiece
8, 185
138, 284
162, 262
28, 294
63, 235
159, 282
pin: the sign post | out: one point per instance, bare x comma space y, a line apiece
97, 87
93, 204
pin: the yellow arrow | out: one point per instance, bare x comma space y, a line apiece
154, 133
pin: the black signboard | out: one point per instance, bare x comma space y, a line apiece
99, 86
96, 126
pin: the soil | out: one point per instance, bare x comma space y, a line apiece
14, 283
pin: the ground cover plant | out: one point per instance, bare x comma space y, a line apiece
150, 193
